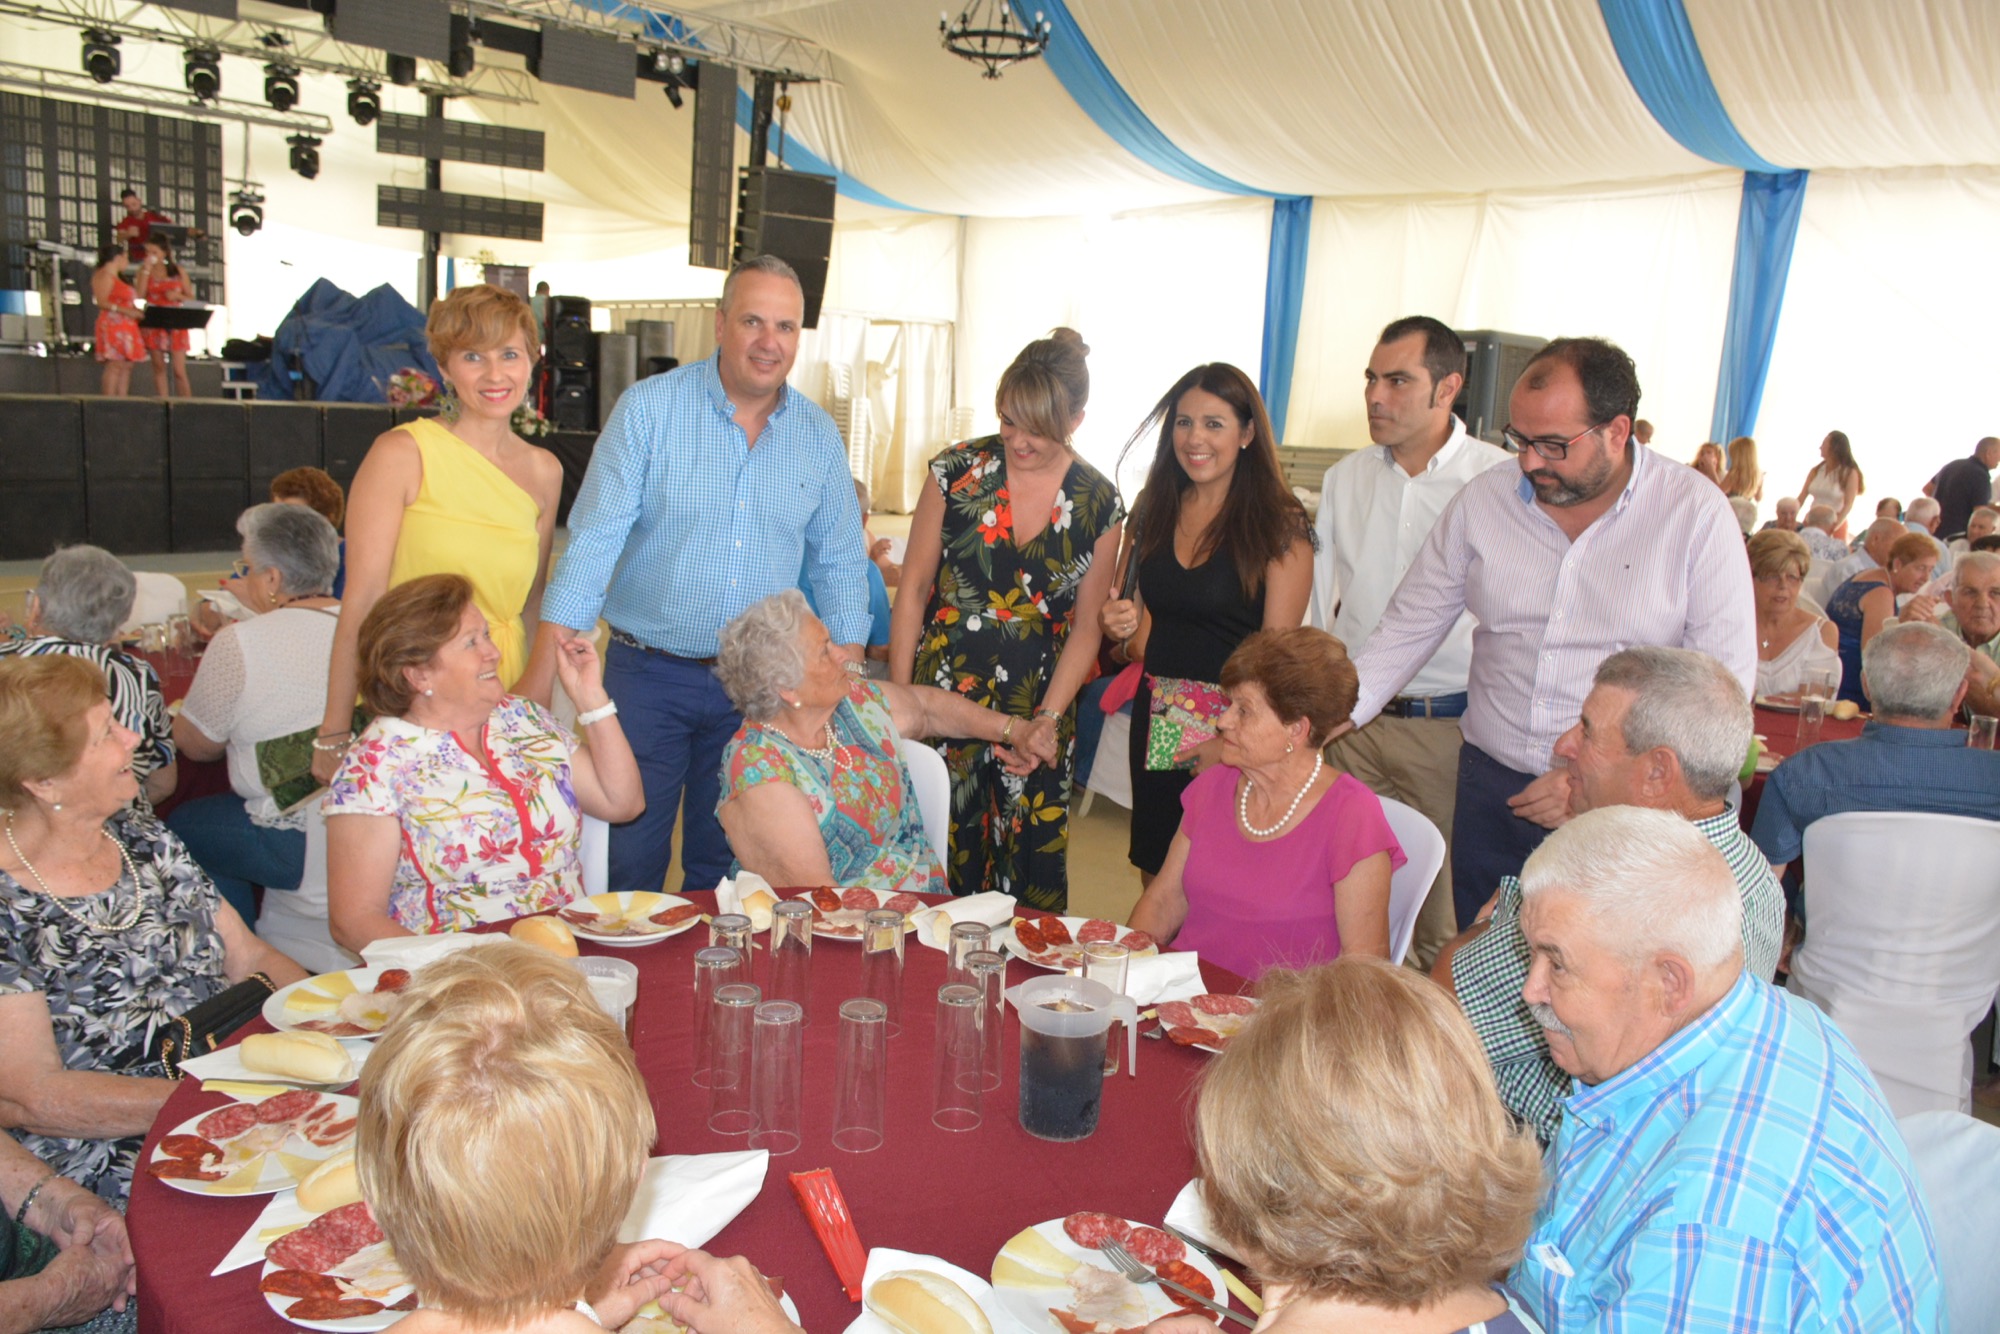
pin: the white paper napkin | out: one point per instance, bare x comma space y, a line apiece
415, 951
882, 1260
689, 1198
285, 1211
934, 924
228, 1064
1190, 1215
729, 893
1164, 977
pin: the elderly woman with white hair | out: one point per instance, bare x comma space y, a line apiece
261, 680
80, 599
813, 790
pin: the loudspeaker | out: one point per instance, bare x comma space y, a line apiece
283, 436
573, 399
617, 369
125, 475
788, 214
41, 456
569, 308
714, 166
208, 452
570, 342
572, 449
1494, 361
24, 374
348, 430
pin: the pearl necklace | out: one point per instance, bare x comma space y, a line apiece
828, 754
103, 929
1243, 802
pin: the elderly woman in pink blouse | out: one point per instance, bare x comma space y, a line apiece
1279, 861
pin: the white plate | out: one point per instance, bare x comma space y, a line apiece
1233, 1023
272, 1175
851, 917
890, 1261
1778, 703
277, 1006
641, 903
1029, 1308
1065, 957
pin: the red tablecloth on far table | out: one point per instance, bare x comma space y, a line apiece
958, 1196
1781, 738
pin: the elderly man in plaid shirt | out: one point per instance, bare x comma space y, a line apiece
1727, 1162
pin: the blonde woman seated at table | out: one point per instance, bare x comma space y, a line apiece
108, 929
813, 790
1279, 860
501, 1083
460, 803
1355, 1154
1791, 640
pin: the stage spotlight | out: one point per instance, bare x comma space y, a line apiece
673, 91
364, 100
305, 155
402, 70
461, 58
100, 55
246, 211
203, 71
281, 86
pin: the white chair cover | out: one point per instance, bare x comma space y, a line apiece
1958, 1163
596, 850
1423, 845
932, 781
1902, 945
293, 922
1111, 771
159, 596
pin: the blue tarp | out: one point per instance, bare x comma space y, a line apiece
349, 346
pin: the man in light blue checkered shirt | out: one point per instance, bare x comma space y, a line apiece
1727, 1162
710, 488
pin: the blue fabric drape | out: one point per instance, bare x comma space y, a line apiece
1766, 225
1655, 44
800, 158
1091, 86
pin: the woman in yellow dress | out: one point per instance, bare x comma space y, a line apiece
461, 494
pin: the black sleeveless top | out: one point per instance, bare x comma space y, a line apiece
1200, 615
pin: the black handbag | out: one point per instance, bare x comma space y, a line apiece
205, 1027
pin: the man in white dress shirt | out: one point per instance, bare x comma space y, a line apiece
1376, 508
1595, 544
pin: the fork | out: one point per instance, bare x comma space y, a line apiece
1124, 1262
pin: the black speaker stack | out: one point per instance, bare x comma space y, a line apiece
570, 387
788, 214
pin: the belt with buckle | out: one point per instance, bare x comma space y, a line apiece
1426, 706
620, 637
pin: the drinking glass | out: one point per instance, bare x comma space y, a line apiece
791, 954
1816, 683
731, 929
1982, 732
987, 971
615, 984
1812, 717
777, 1070
965, 938
882, 963
862, 1085
1108, 962
730, 1030
956, 1086
180, 637
714, 967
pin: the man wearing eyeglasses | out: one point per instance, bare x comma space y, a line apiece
1595, 544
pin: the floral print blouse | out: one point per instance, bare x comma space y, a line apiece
108, 992
485, 836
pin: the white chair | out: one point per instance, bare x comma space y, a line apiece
1111, 771
158, 597
1958, 1162
930, 782
293, 922
1902, 946
1423, 846
596, 853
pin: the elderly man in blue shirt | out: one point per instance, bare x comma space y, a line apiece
1727, 1162
711, 487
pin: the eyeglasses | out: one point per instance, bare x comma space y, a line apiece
1555, 451
240, 569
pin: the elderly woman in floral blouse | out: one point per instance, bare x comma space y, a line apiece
460, 803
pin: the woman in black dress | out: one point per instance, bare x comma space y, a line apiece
1222, 549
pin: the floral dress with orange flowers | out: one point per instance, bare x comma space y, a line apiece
998, 617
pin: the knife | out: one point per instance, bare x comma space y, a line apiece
1194, 1296
1236, 1285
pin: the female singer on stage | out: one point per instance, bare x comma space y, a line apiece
163, 283
118, 342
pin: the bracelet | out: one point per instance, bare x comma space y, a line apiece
29, 1198
334, 749
1050, 714
855, 668
597, 715
1008, 730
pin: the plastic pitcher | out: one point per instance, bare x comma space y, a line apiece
1063, 1026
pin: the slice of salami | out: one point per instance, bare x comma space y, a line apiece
1213, 1003
904, 903
674, 916
332, 1308
393, 979
299, 1283
1195, 1036
326, 1134
408, 1303
1136, 941
1185, 1274
327, 1240
1055, 932
181, 1169
826, 899
1177, 1014
334, 1028
226, 1122
1096, 929
1029, 936
858, 899
1088, 1229
191, 1147
1153, 1248
291, 1105
587, 918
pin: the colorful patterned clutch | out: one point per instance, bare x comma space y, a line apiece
1184, 714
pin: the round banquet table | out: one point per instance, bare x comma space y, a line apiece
1780, 732
959, 1196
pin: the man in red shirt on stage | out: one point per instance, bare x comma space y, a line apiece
137, 224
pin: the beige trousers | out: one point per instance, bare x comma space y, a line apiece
1415, 761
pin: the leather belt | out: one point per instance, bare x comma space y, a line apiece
1426, 706
620, 637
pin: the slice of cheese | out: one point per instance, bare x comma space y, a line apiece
1009, 1273
1031, 1260
241, 1090
307, 1001
271, 1234
242, 1181
297, 1166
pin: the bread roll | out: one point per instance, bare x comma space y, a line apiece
757, 905
312, 1058
549, 933
915, 1302
333, 1183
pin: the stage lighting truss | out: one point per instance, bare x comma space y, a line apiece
101, 60
305, 154
364, 100
246, 210
671, 68
202, 71
281, 86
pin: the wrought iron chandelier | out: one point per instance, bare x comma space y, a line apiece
995, 41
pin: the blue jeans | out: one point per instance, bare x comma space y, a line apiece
1488, 841
237, 854
678, 720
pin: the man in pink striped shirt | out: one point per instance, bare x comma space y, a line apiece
1596, 544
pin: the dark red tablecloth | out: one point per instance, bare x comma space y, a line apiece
1781, 738
958, 1196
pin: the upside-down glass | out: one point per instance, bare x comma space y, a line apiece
732, 929
882, 963
965, 938
791, 954
862, 1085
956, 1083
986, 970
777, 1061
1981, 734
1816, 683
1108, 962
1812, 718
716, 966
730, 1032
615, 983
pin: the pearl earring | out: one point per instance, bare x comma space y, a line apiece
428, 692
55, 805
1289, 748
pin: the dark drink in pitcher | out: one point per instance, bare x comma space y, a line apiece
1062, 1083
